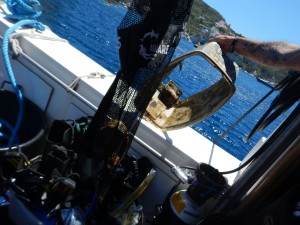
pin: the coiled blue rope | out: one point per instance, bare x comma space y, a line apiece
21, 10
24, 9
8, 126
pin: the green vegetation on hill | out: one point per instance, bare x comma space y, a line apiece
202, 16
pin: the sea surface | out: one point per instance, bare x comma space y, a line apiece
91, 27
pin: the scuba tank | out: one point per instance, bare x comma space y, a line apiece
191, 205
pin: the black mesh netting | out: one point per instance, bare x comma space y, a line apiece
148, 36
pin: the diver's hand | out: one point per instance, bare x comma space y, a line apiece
225, 42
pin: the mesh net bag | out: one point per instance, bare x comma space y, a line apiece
148, 36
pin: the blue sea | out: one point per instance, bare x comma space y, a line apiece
91, 27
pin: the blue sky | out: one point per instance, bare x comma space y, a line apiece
269, 20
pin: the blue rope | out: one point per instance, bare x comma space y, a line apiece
7, 124
23, 9
26, 11
8, 67
9, 127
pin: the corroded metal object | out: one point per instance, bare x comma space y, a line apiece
186, 112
